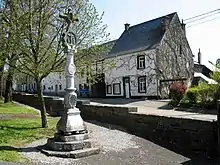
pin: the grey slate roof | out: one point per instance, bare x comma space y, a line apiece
140, 37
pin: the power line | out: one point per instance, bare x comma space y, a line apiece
202, 18
202, 14
203, 22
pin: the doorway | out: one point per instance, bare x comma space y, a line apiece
126, 84
56, 89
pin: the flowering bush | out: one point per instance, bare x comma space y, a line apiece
177, 91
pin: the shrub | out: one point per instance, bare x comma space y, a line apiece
191, 95
177, 91
205, 93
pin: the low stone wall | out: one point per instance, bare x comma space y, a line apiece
54, 106
184, 136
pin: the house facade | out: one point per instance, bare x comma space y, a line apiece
148, 58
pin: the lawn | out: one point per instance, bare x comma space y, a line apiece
12, 108
16, 132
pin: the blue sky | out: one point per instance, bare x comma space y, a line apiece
204, 36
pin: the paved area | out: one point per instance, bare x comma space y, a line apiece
151, 107
154, 107
117, 148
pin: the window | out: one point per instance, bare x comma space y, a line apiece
44, 87
141, 62
142, 84
109, 89
116, 89
51, 87
60, 87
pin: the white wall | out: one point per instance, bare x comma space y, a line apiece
126, 65
52, 79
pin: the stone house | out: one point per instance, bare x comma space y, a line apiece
148, 58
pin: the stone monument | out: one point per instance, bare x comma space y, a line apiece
71, 138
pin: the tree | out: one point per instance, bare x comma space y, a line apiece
40, 51
10, 37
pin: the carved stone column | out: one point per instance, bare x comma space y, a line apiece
71, 121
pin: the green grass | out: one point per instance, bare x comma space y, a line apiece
16, 133
12, 108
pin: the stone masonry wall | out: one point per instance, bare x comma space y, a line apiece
184, 136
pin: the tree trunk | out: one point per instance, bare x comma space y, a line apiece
1, 83
43, 107
8, 87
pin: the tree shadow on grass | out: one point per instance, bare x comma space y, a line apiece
25, 149
2, 127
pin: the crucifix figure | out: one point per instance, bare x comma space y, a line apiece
68, 38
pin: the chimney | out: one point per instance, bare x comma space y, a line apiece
127, 26
199, 57
183, 25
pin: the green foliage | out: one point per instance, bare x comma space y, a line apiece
203, 95
216, 76
191, 95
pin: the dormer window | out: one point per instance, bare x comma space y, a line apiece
141, 62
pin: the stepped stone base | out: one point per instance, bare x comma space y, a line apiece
70, 154
72, 146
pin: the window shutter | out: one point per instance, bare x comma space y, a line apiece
138, 62
138, 84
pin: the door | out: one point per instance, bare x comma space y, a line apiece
126, 81
56, 89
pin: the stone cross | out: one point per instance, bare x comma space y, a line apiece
68, 38
71, 121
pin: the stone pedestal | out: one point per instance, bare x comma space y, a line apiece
70, 146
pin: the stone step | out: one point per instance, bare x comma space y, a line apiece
67, 146
71, 154
70, 138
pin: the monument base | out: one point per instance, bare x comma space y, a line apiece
71, 146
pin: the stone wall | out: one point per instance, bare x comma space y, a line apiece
54, 106
184, 136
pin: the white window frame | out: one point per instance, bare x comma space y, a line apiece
142, 84
109, 89
141, 62
115, 92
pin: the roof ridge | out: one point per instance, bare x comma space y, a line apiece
153, 19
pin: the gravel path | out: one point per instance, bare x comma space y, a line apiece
117, 148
